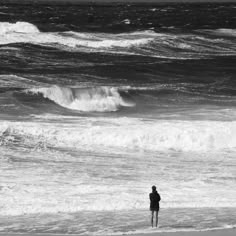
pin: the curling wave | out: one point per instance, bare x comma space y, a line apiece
100, 99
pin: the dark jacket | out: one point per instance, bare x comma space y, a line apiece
154, 201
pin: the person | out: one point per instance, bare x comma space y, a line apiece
154, 204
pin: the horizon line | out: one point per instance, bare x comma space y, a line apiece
112, 1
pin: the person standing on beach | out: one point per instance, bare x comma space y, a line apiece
154, 204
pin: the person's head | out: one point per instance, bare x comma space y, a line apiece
154, 189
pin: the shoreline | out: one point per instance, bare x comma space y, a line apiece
213, 232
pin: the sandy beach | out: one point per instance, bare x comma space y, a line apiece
225, 232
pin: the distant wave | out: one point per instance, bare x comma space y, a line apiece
18, 27
226, 32
14, 81
126, 134
23, 32
231, 32
100, 99
144, 43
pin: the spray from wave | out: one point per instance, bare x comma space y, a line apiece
100, 99
126, 134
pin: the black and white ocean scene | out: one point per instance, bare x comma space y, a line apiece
100, 102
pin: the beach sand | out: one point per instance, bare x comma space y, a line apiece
224, 232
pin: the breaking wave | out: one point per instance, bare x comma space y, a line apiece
100, 99
145, 43
18, 27
126, 134
23, 32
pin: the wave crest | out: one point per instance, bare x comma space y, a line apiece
226, 32
12, 33
99, 99
18, 27
145, 43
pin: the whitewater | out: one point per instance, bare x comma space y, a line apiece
147, 41
99, 103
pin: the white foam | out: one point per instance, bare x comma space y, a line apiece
131, 134
153, 9
109, 136
144, 43
228, 32
23, 32
53, 192
100, 99
18, 27
126, 21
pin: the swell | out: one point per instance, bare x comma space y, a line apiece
221, 32
145, 43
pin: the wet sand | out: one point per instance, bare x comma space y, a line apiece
224, 232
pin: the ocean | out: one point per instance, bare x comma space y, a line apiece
100, 102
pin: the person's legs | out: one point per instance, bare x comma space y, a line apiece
156, 218
152, 213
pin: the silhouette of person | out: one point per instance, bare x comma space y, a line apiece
154, 204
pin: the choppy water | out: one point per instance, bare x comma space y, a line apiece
98, 103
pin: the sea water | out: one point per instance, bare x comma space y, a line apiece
100, 102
